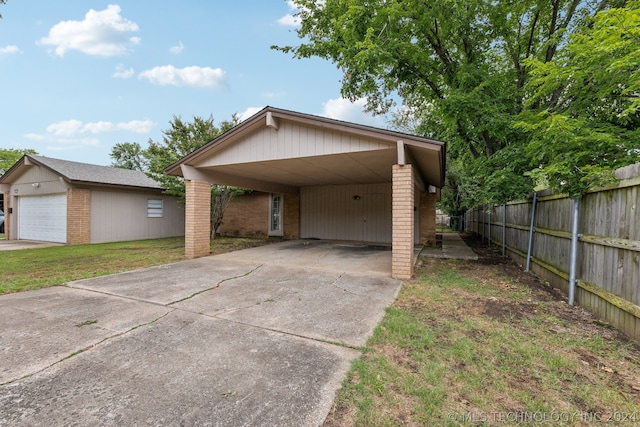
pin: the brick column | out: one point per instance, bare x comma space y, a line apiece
291, 214
7, 215
427, 209
78, 216
197, 219
403, 222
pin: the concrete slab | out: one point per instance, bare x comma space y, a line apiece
249, 338
12, 245
318, 304
40, 328
453, 247
352, 257
185, 369
169, 283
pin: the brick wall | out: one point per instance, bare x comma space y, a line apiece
403, 222
291, 216
7, 215
78, 216
197, 219
427, 209
247, 216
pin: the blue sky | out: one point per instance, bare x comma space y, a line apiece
78, 77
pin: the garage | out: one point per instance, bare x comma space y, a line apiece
43, 218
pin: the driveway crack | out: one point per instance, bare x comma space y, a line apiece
217, 285
89, 347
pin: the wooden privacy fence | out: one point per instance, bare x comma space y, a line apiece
607, 268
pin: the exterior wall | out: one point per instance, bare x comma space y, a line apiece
78, 216
248, 216
7, 215
48, 183
122, 215
427, 209
197, 219
291, 216
293, 141
403, 222
346, 212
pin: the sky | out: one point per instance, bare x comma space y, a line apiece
78, 77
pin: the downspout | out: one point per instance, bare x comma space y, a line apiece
532, 230
574, 251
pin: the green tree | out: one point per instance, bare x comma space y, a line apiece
459, 66
181, 139
128, 155
584, 108
9, 156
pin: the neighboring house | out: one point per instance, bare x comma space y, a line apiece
317, 178
76, 203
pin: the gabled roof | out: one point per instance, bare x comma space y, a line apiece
83, 173
427, 155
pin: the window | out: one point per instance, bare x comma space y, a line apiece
154, 208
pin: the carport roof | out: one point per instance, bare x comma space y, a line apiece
358, 154
81, 173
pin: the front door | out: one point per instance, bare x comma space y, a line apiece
275, 215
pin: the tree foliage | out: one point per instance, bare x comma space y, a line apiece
462, 69
584, 107
9, 156
181, 139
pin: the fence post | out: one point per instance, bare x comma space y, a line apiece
504, 228
482, 212
531, 230
574, 250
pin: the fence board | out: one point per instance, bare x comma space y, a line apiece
609, 245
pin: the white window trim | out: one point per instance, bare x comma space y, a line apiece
279, 232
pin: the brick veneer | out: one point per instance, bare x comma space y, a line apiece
403, 222
247, 216
197, 219
427, 210
78, 216
7, 215
291, 214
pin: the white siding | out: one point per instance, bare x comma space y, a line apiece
48, 183
292, 141
43, 218
330, 212
120, 216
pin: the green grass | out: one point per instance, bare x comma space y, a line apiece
464, 340
28, 269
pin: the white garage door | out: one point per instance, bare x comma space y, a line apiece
43, 218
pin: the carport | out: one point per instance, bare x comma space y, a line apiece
327, 178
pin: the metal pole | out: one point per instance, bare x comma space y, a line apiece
532, 229
574, 250
504, 229
482, 212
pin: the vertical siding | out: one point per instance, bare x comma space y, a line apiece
292, 141
330, 212
50, 183
120, 216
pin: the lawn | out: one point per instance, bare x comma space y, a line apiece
27, 269
483, 343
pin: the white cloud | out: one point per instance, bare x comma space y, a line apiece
249, 112
189, 76
345, 110
122, 73
69, 128
9, 50
177, 49
101, 33
34, 137
290, 20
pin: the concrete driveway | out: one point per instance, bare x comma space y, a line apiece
12, 245
259, 337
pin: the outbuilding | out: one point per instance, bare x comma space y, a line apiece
55, 200
318, 178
